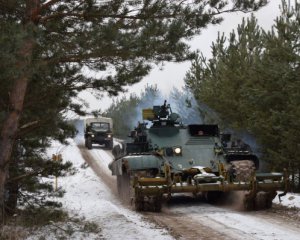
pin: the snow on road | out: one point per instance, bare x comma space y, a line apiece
240, 225
89, 196
102, 158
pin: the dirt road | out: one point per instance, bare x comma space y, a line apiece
185, 217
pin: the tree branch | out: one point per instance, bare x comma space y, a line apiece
48, 4
28, 124
95, 15
87, 16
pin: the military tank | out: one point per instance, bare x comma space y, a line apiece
168, 158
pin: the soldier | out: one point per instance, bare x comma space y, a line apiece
163, 113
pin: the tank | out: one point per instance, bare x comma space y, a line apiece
166, 157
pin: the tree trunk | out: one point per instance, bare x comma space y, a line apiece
12, 199
12, 189
16, 100
12, 182
10, 125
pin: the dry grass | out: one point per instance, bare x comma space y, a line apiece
47, 223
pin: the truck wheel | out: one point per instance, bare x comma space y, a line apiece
88, 143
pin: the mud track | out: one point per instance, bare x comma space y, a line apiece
182, 227
189, 218
108, 179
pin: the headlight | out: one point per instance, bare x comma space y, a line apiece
93, 135
177, 151
109, 136
173, 151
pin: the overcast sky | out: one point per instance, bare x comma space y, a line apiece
172, 74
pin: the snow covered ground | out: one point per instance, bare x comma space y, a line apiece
89, 196
290, 200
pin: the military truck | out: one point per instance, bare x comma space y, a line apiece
168, 158
98, 131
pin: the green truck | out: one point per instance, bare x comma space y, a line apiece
98, 131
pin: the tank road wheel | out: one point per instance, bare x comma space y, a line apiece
88, 143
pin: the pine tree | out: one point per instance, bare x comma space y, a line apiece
123, 113
252, 82
183, 102
42, 120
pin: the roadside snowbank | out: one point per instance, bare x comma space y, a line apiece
290, 200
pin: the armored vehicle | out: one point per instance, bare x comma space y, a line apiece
98, 131
168, 158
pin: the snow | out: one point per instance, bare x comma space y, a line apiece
291, 200
241, 226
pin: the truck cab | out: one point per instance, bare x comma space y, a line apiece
98, 131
